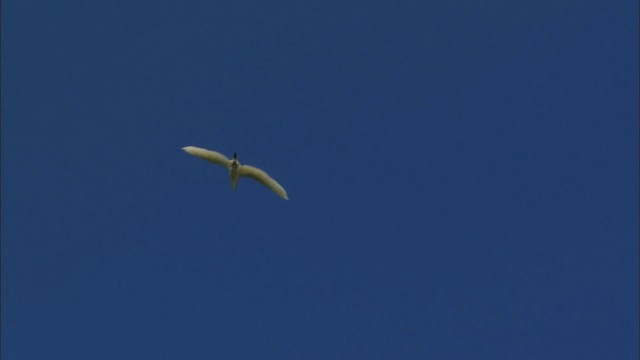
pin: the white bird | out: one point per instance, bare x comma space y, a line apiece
236, 170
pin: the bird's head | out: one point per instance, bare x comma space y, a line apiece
234, 161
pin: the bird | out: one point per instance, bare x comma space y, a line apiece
236, 170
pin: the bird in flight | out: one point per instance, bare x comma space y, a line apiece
236, 170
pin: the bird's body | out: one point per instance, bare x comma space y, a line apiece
236, 170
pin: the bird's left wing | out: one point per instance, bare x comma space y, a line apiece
263, 178
209, 155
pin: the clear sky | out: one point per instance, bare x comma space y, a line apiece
462, 175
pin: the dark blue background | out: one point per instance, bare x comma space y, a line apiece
463, 178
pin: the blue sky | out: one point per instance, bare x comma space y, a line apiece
462, 175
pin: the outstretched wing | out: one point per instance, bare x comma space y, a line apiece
263, 178
212, 156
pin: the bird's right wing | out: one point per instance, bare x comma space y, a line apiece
212, 156
263, 178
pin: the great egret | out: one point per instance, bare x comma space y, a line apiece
236, 170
